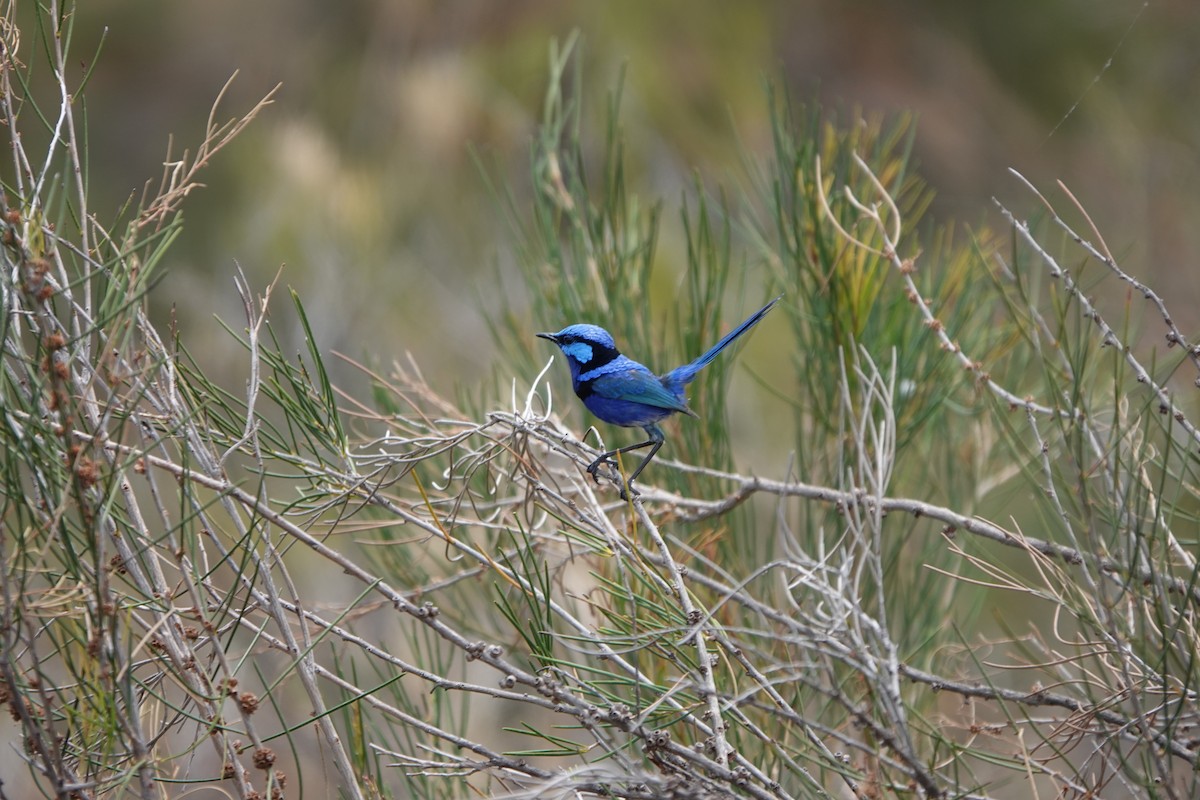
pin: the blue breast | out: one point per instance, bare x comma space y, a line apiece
627, 413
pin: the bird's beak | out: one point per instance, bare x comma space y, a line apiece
549, 336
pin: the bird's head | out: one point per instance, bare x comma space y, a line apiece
585, 346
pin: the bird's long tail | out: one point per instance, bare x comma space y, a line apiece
687, 373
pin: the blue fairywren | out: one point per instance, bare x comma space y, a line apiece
623, 392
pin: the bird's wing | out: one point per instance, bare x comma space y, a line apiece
638, 386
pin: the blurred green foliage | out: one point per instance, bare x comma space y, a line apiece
360, 178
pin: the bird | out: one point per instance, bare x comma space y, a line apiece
624, 392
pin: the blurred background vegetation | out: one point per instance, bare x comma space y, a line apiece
361, 177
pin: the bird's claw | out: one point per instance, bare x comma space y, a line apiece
594, 469
626, 489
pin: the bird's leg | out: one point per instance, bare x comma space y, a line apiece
657, 444
595, 465
654, 443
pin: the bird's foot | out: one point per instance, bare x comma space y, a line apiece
626, 489
593, 468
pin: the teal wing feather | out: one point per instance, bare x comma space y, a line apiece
639, 387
